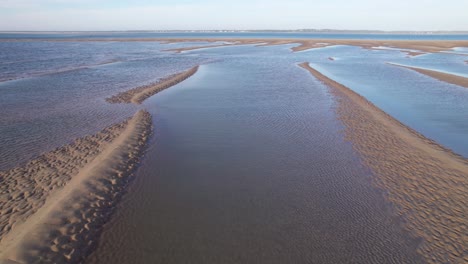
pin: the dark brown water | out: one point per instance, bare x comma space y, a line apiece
248, 164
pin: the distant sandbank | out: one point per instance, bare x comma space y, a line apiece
441, 76
426, 182
139, 94
53, 207
419, 46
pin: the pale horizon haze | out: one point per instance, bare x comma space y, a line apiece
88, 15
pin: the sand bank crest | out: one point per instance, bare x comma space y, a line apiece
441, 76
64, 227
139, 94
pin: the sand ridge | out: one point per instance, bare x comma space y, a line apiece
426, 182
24, 189
139, 94
441, 76
64, 226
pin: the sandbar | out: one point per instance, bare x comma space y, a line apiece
139, 94
53, 207
425, 182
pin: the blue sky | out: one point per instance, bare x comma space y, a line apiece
240, 14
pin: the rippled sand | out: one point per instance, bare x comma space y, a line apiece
52, 208
427, 183
139, 94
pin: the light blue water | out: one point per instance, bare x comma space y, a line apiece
434, 108
454, 64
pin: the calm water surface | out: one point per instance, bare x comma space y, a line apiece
434, 108
247, 163
67, 100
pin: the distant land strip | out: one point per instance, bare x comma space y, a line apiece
53, 207
426, 182
441, 76
139, 94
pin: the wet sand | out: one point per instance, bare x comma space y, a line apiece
139, 94
53, 207
426, 182
441, 76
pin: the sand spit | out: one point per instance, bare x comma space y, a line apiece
427, 183
139, 94
179, 50
231, 43
52, 208
441, 76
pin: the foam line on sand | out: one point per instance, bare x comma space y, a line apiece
54, 207
427, 183
139, 94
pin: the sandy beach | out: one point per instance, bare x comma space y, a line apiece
139, 94
53, 207
441, 76
426, 182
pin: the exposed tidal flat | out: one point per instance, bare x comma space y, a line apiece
252, 159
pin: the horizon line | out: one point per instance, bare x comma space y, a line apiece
245, 30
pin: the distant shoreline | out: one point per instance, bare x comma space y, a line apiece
305, 31
220, 35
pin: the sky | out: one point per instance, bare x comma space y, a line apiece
95, 15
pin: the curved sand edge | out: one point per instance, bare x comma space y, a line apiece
441, 76
139, 94
426, 182
65, 228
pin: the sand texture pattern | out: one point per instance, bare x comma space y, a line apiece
139, 94
441, 76
427, 183
53, 207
